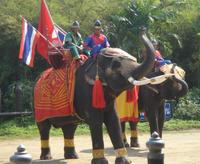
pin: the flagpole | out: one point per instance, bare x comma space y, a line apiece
43, 37
60, 28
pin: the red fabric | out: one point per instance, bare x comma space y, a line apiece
98, 39
98, 100
135, 93
46, 28
54, 93
129, 95
132, 94
22, 41
158, 55
132, 119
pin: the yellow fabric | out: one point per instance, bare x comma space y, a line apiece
122, 152
125, 110
98, 153
44, 143
69, 142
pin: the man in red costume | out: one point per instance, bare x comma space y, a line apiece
159, 60
96, 41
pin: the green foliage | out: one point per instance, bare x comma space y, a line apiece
157, 16
86, 11
189, 55
25, 127
174, 23
188, 107
177, 124
18, 127
10, 98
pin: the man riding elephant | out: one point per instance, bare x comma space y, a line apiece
96, 41
74, 41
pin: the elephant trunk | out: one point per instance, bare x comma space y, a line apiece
147, 65
184, 88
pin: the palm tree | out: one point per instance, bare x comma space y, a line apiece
156, 15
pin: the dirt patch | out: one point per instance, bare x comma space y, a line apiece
181, 147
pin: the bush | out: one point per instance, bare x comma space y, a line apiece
9, 99
188, 107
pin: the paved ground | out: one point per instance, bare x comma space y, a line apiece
181, 147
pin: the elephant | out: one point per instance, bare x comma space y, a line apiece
117, 71
152, 98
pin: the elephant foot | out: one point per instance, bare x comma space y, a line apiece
70, 153
126, 143
99, 161
122, 160
45, 154
134, 142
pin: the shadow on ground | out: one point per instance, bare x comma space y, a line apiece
132, 152
53, 161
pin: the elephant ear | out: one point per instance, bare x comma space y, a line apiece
111, 52
91, 72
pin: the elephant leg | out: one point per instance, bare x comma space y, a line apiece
44, 128
95, 124
69, 148
153, 120
134, 134
161, 118
123, 126
114, 130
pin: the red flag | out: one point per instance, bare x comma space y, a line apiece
46, 28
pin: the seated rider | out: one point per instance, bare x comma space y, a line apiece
96, 41
159, 60
73, 41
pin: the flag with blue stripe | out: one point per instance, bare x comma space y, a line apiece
28, 43
61, 34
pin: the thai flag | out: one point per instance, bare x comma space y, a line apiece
28, 43
60, 33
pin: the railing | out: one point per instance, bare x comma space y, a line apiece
18, 104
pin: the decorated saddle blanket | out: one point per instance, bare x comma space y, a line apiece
54, 93
126, 105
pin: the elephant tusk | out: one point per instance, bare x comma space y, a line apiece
153, 80
160, 79
138, 82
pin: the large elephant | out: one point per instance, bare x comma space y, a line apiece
118, 71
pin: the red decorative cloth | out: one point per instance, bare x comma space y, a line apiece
54, 93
